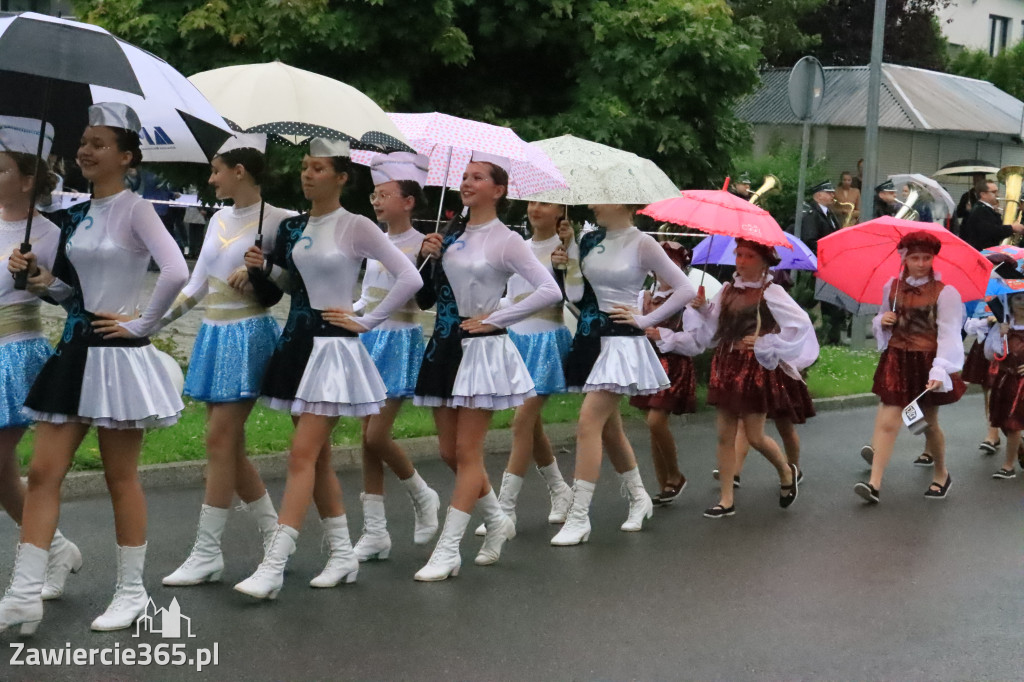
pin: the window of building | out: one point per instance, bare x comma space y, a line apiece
999, 34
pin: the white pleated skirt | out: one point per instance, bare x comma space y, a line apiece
627, 365
491, 376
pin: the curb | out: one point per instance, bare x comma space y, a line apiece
349, 458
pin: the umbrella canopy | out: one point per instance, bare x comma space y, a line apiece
719, 212
859, 260
937, 191
450, 141
295, 105
722, 252
699, 278
599, 174
74, 65
966, 167
1014, 252
826, 293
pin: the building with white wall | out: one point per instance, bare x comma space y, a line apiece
989, 25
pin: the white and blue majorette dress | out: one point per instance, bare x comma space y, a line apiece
480, 371
23, 348
238, 334
396, 345
104, 252
542, 338
318, 368
609, 356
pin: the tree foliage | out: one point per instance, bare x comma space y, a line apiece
1005, 70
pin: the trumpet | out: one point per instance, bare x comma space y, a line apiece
1012, 177
770, 185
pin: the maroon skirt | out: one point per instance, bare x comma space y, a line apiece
976, 365
902, 375
1006, 399
741, 385
681, 396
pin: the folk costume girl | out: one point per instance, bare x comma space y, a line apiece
1004, 346
471, 368
231, 351
611, 357
921, 348
763, 340
23, 348
976, 371
396, 347
321, 370
105, 373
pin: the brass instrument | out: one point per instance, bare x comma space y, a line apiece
770, 185
1011, 176
907, 211
847, 214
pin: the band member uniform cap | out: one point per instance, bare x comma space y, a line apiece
825, 186
886, 186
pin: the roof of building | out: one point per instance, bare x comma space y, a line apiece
911, 99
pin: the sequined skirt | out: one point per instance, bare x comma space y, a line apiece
681, 396
228, 360
1006, 399
397, 353
976, 365
902, 375
544, 354
20, 364
740, 385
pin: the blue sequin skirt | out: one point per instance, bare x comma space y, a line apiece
544, 354
20, 363
398, 354
228, 360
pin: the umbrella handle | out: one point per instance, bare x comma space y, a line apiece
254, 272
21, 278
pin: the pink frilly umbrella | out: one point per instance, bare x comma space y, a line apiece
719, 212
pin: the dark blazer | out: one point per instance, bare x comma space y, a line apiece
984, 227
817, 225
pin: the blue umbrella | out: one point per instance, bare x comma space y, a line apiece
719, 251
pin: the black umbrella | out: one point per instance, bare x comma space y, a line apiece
967, 167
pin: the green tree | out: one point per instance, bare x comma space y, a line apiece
1005, 70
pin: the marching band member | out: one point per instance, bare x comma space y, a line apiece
105, 372
231, 351
320, 370
396, 347
610, 356
1004, 345
921, 349
471, 367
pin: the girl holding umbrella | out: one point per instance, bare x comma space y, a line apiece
918, 332
231, 351
1004, 346
105, 248
471, 368
320, 370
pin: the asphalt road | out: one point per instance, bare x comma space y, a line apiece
828, 590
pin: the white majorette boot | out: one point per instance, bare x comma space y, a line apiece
577, 521
266, 517
507, 498
426, 504
446, 560
374, 542
640, 505
266, 582
130, 597
23, 601
560, 492
65, 558
342, 564
205, 563
500, 528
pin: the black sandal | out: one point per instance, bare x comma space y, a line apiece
867, 491
924, 460
788, 498
669, 493
1005, 474
988, 447
718, 511
937, 491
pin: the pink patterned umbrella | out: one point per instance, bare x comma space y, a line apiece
449, 142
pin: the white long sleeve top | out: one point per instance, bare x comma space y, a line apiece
546, 319
949, 356
617, 268
110, 250
329, 255
977, 327
45, 239
478, 266
378, 281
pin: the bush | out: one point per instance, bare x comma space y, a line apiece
782, 161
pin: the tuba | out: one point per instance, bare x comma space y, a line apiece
770, 185
848, 209
907, 211
1011, 176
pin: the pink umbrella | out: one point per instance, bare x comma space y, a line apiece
859, 260
719, 212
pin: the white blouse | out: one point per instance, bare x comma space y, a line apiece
45, 239
378, 281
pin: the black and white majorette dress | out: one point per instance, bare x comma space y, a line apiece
924, 344
318, 368
542, 338
480, 371
104, 252
238, 334
396, 345
23, 348
767, 379
606, 356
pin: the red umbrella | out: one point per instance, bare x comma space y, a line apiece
719, 212
859, 260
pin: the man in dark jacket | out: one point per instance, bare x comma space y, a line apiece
885, 200
819, 220
984, 225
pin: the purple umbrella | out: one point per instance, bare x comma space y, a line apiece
719, 251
